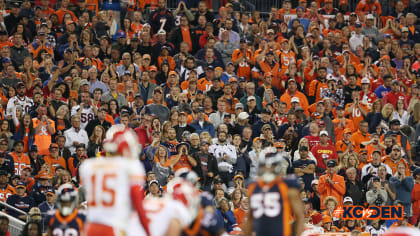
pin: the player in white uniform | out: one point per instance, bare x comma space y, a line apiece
85, 110
20, 99
114, 186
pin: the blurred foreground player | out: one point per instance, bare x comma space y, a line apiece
66, 220
274, 200
114, 186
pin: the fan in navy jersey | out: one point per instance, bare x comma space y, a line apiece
275, 205
66, 220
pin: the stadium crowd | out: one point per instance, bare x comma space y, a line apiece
331, 86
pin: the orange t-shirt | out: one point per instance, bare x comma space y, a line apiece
53, 162
243, 68
182, 163
358, 138
356, 116
7, 192
43, 137
240, 216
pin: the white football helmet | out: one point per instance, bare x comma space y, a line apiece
66, 199
271, 159
186, 193
122, 141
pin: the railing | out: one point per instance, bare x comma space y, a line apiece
15, 225
13, 208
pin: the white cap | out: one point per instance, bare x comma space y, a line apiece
347, 199
162, 31
251, 98
370, 17
315, 181
323, 133
365, 81
295, 99
243, 115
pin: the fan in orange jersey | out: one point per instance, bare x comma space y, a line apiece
268, 65
21, 160
243, 59
341, 123
6, 190
285, 56
317, 85
356, 110
368, 6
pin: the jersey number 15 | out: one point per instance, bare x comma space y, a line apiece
99, 199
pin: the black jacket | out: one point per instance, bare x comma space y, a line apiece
206, 163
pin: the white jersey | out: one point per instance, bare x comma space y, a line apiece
86, 115
375, 232
160, 212
26, 103
107, 182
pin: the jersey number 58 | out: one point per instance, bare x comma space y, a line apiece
267, 204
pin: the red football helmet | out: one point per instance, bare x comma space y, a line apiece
186, 193
402, 231
122, 141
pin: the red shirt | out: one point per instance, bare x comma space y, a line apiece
313, 141
322, 153
392, 98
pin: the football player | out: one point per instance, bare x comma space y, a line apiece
115, 185
66, 220
274, 200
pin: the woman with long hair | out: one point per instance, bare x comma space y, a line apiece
5, 132
113, 108
173, 117
96, 141
400, 113
25, 132
236, 198
161, 164
61, 119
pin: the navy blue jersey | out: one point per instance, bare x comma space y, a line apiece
270, 206
207, 222
66, 225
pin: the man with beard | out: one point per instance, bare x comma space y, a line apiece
19, 100
226, 156
208, 168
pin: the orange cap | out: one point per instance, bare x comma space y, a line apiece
267, 74
347, 130
256, 139
172, 73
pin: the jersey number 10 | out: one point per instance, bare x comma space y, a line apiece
99, 199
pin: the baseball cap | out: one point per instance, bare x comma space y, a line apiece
347, 199
172, 73
395, 122
50, 192
347, 130
153, 68
233, 79
242, 79
256, 139
279, 145
300, 8
395, 82
295, 99
19, 85
365, 81
315, 57
370, 17
291, 79
243, 115
270, 31
340, 107
250, 98
158, 90
376, 178
358, 24
72, 22
299, 108
239, 105
154, 182
53, 145
331, 163
321, 122
363, 151
315, 181
84, 82
21, 184
217, 181
161, 31
266, 126
404, 29
323, 133
200, 109
238, 176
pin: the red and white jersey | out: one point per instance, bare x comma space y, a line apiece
107, 182
160, 212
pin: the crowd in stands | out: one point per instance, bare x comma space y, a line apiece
332, 86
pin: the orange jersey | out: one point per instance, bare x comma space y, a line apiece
363, 7
204, 84
315, 89
243, 68
240, 216
54, 162
357, 139
285, 59
394, 164
356, 115
339, 131
6, 192
341, 146
21, 162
